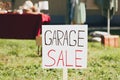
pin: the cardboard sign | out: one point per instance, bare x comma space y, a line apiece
64, 46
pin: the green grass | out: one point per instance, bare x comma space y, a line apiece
19, 61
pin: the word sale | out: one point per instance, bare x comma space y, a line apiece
62, 58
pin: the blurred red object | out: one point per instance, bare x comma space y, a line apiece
45, 19
111, 41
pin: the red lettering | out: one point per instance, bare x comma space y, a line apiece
67, 60
77, 58
61, 58
50, 51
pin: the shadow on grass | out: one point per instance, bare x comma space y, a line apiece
32, 55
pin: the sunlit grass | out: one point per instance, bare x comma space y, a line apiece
19, 61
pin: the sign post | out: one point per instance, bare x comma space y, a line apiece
64, 46
65, 74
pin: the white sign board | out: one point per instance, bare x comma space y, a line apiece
64, 46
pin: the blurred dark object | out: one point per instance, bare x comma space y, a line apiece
17, 26
13, 5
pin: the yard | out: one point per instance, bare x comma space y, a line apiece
19, 61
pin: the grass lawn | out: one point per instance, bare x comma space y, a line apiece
19, 61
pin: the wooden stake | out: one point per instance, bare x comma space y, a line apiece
65, 74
